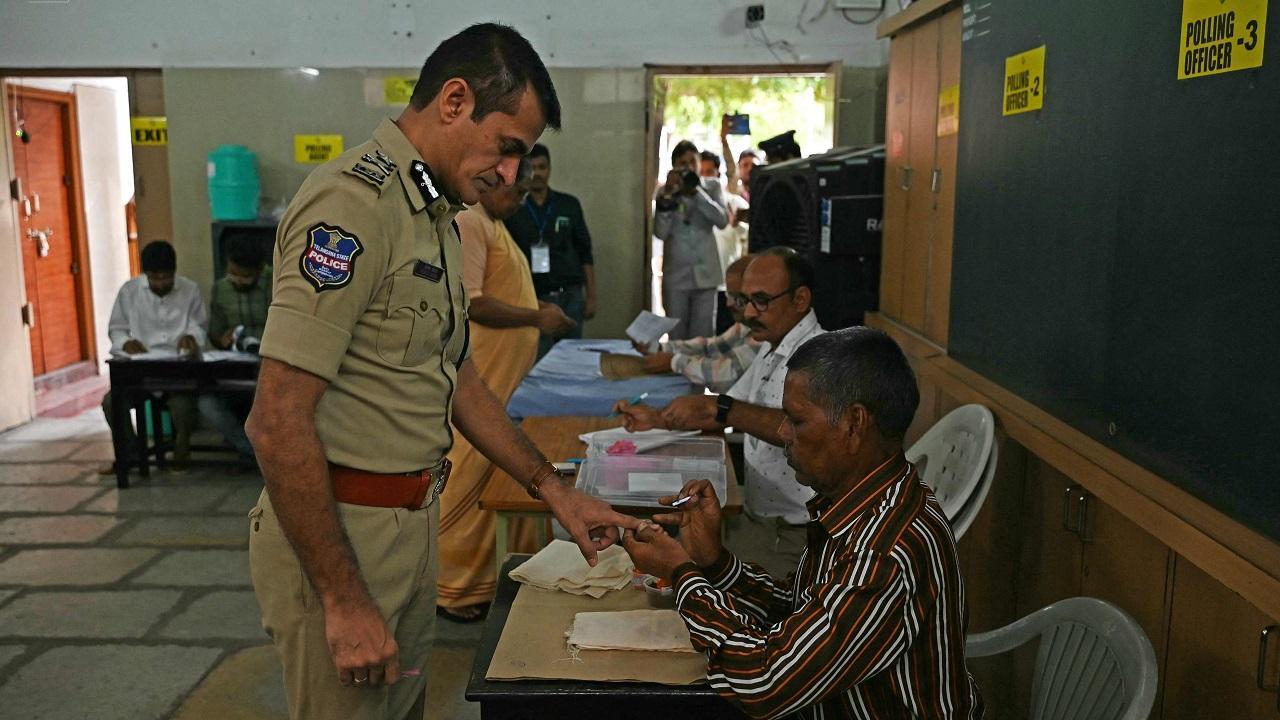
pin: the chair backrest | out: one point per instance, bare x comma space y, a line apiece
952, 456
961, 522
1094, 661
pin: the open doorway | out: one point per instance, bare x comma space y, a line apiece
687, 103
69, 155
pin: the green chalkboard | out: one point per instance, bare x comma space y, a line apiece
1117, 253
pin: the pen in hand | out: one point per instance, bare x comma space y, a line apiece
633, 401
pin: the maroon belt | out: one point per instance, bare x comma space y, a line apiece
412, 491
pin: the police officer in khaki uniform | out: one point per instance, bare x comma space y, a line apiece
365, 365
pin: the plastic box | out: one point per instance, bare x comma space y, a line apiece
638, 479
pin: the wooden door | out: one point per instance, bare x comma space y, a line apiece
920, 159
1126, 566
937, 314
898, 140
47, 230
1213, 651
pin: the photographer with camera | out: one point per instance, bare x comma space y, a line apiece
687, 209
238, 306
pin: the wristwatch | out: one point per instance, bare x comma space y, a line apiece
723, 403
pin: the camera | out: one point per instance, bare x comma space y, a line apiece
689, 179
244, 342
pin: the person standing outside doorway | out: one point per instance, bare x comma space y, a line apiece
552, 232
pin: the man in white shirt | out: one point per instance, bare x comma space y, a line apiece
777, 286
158, 312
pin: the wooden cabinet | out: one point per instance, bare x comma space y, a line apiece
1213, 668
919, 198
1075, 545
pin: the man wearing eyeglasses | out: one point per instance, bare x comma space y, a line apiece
777, 285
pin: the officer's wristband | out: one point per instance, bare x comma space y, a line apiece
545, 470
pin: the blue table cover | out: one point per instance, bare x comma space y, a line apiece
567, 381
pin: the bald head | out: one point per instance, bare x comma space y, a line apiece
734, 301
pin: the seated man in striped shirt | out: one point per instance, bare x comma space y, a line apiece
872, 623
716, 362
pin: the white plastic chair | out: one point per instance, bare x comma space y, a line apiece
955, 458
1094, 661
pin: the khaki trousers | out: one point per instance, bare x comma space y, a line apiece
397, 554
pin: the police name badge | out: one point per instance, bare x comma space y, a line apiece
329, 259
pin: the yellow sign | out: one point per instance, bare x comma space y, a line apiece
153, 131
316, 148
1219, 36
398, 90
1024, 82
949, 111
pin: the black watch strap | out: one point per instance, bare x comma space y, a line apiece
723, 403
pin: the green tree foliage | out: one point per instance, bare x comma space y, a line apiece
776, 104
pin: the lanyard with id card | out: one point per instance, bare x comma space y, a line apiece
539, 252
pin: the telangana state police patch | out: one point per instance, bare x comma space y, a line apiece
329, 259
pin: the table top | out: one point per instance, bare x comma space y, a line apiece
557, 438
481, 689
220, 368
567, 381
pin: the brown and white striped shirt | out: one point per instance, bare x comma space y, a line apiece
872, 625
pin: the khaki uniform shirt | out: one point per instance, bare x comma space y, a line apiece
368, 295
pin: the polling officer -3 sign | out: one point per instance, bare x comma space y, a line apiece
1219, 36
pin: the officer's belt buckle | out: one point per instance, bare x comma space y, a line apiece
440, 475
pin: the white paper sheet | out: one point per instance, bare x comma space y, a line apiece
647, 327
644, 440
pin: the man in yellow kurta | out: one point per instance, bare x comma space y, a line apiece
506, 318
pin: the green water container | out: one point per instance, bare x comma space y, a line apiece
233, 183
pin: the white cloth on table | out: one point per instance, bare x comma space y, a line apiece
560, 566
652, 630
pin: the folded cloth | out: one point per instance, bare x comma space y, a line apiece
653, 630
560, 566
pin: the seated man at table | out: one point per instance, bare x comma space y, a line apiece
238, 306
872, 623
777, 286
159, 311
715, 362
506, 321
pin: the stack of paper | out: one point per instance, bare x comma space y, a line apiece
653, 630
560, 566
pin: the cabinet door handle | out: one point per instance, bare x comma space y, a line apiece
1066, 511
905, 180
936, 182
1264, 641
1082, 518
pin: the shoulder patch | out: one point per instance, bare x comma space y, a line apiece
328, 260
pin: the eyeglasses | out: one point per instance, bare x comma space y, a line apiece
759, 301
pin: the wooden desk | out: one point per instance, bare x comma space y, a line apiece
133, 381
557, 438
521, 699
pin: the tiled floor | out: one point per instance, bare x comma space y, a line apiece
136, 604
